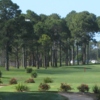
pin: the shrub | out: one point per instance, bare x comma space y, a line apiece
21, 88
29, 70
47, 80
34, 74
44, 87
83, 88
65, 87
0, 74
96, 89
13, 81
30, 80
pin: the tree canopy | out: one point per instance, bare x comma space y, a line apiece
41, 40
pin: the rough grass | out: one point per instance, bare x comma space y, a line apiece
73, 75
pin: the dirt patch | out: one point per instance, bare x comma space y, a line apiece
79, 96
1, 86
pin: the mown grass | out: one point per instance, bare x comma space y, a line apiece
73, 75
31, 96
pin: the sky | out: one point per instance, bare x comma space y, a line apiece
61, 7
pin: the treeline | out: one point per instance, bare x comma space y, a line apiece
40, 40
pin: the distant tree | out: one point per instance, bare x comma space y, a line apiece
84, 27
8, 10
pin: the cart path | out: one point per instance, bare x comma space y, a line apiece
78, 96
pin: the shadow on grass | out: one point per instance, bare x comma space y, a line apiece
79, 67
65, 70
52, 72
6, 77
31, 96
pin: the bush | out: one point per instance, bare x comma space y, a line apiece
13, 81
47, 80
30, 80
0, 74
29, 70
21, 88
83, 88
34, 74
44, 87
96, 89
65, 87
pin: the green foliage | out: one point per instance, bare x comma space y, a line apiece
96, 89
21, 87
83, 88
0, 74
34, 74
65, 87
13, 81
48, 80
30, 80
44, 87
44, 40
29, 70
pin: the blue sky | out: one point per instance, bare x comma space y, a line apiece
61, 7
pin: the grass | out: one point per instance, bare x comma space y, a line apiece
31, 96
73, 75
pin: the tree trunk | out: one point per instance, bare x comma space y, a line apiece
7, 57
60, 55
51, 58
77, 56
67, 58
24, 57
88, 54
48, 58
37, 58
2, 58
17, 59
83, 53
33, 59
55, 58
73, 54
45, 61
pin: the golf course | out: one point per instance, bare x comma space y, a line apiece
72, 75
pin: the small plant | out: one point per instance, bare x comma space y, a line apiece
13, 81
44, 87
0, 74
83, 88
34, 74
21, 88
29, 70
47, 80
96, 89
30, 80
65, 87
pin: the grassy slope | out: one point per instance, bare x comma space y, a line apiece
73, 75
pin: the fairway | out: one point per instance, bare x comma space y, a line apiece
73, 75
